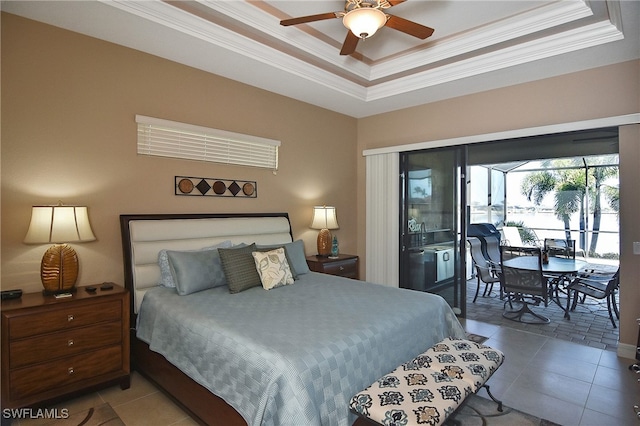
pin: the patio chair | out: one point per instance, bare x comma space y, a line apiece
598, 286
493, 251
557, 247
524, 286
484, 270
511, 237
562, 248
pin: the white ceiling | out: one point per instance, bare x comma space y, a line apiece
477, 45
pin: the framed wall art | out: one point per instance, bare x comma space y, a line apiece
215, 187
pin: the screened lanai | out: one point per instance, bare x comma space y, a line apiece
542, 187
533, 184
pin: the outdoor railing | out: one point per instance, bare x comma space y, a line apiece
608, 245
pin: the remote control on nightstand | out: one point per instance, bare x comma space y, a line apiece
11, 294
106, 286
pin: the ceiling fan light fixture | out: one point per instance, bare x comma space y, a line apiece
364, 22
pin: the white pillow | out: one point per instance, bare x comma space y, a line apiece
273, 268
166, 278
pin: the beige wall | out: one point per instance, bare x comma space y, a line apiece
598, 93
629, 232
69, 133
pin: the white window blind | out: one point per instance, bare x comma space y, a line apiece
164, 138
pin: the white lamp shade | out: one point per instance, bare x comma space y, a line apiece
364, 22
324, 217
59, 224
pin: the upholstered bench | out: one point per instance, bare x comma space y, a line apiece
427, 389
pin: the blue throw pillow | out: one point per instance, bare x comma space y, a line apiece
194, 271
166, 279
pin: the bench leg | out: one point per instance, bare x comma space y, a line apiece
493, 397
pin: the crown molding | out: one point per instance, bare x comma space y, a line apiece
531, 22
557, 44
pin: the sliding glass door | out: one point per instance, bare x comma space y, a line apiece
442, 190
432, 185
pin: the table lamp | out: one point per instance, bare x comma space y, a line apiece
324, 219
60, 225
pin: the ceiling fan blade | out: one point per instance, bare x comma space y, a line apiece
350, 43
409, 27
310, 18
395, 2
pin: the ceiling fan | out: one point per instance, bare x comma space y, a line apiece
363, 18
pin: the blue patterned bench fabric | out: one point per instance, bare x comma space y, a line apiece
427, 389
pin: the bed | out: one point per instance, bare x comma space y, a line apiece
290, 355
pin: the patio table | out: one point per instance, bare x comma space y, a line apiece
556, 265
556, 270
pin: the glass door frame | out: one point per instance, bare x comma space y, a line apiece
460, 214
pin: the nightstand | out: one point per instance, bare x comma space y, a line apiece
346, 265
55, 347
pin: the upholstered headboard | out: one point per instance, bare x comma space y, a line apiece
143, 236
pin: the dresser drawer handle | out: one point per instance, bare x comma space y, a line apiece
70, 370
70, 317
70, 342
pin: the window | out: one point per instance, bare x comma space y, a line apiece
172, 139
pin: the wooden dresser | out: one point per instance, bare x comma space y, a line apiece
52, 348
345, 265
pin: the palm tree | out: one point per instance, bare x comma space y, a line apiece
570, 186
569, 198
600, 174
569, 193
536, 185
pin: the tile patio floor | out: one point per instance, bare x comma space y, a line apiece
589, 324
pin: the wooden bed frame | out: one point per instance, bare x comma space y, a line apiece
205, 407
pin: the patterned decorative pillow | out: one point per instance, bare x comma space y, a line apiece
195, 270
273, 268
239, 268
166, 279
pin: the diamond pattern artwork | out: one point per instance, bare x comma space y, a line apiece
214, 187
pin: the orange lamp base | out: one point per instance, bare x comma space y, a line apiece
324, 243
59, 269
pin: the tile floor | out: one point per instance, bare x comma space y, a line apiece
140, 405
564, 382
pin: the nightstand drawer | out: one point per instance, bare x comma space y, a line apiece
55, 374
344, 265
64, 343
64, 318
346, 268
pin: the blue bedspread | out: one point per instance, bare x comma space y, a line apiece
293, 355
